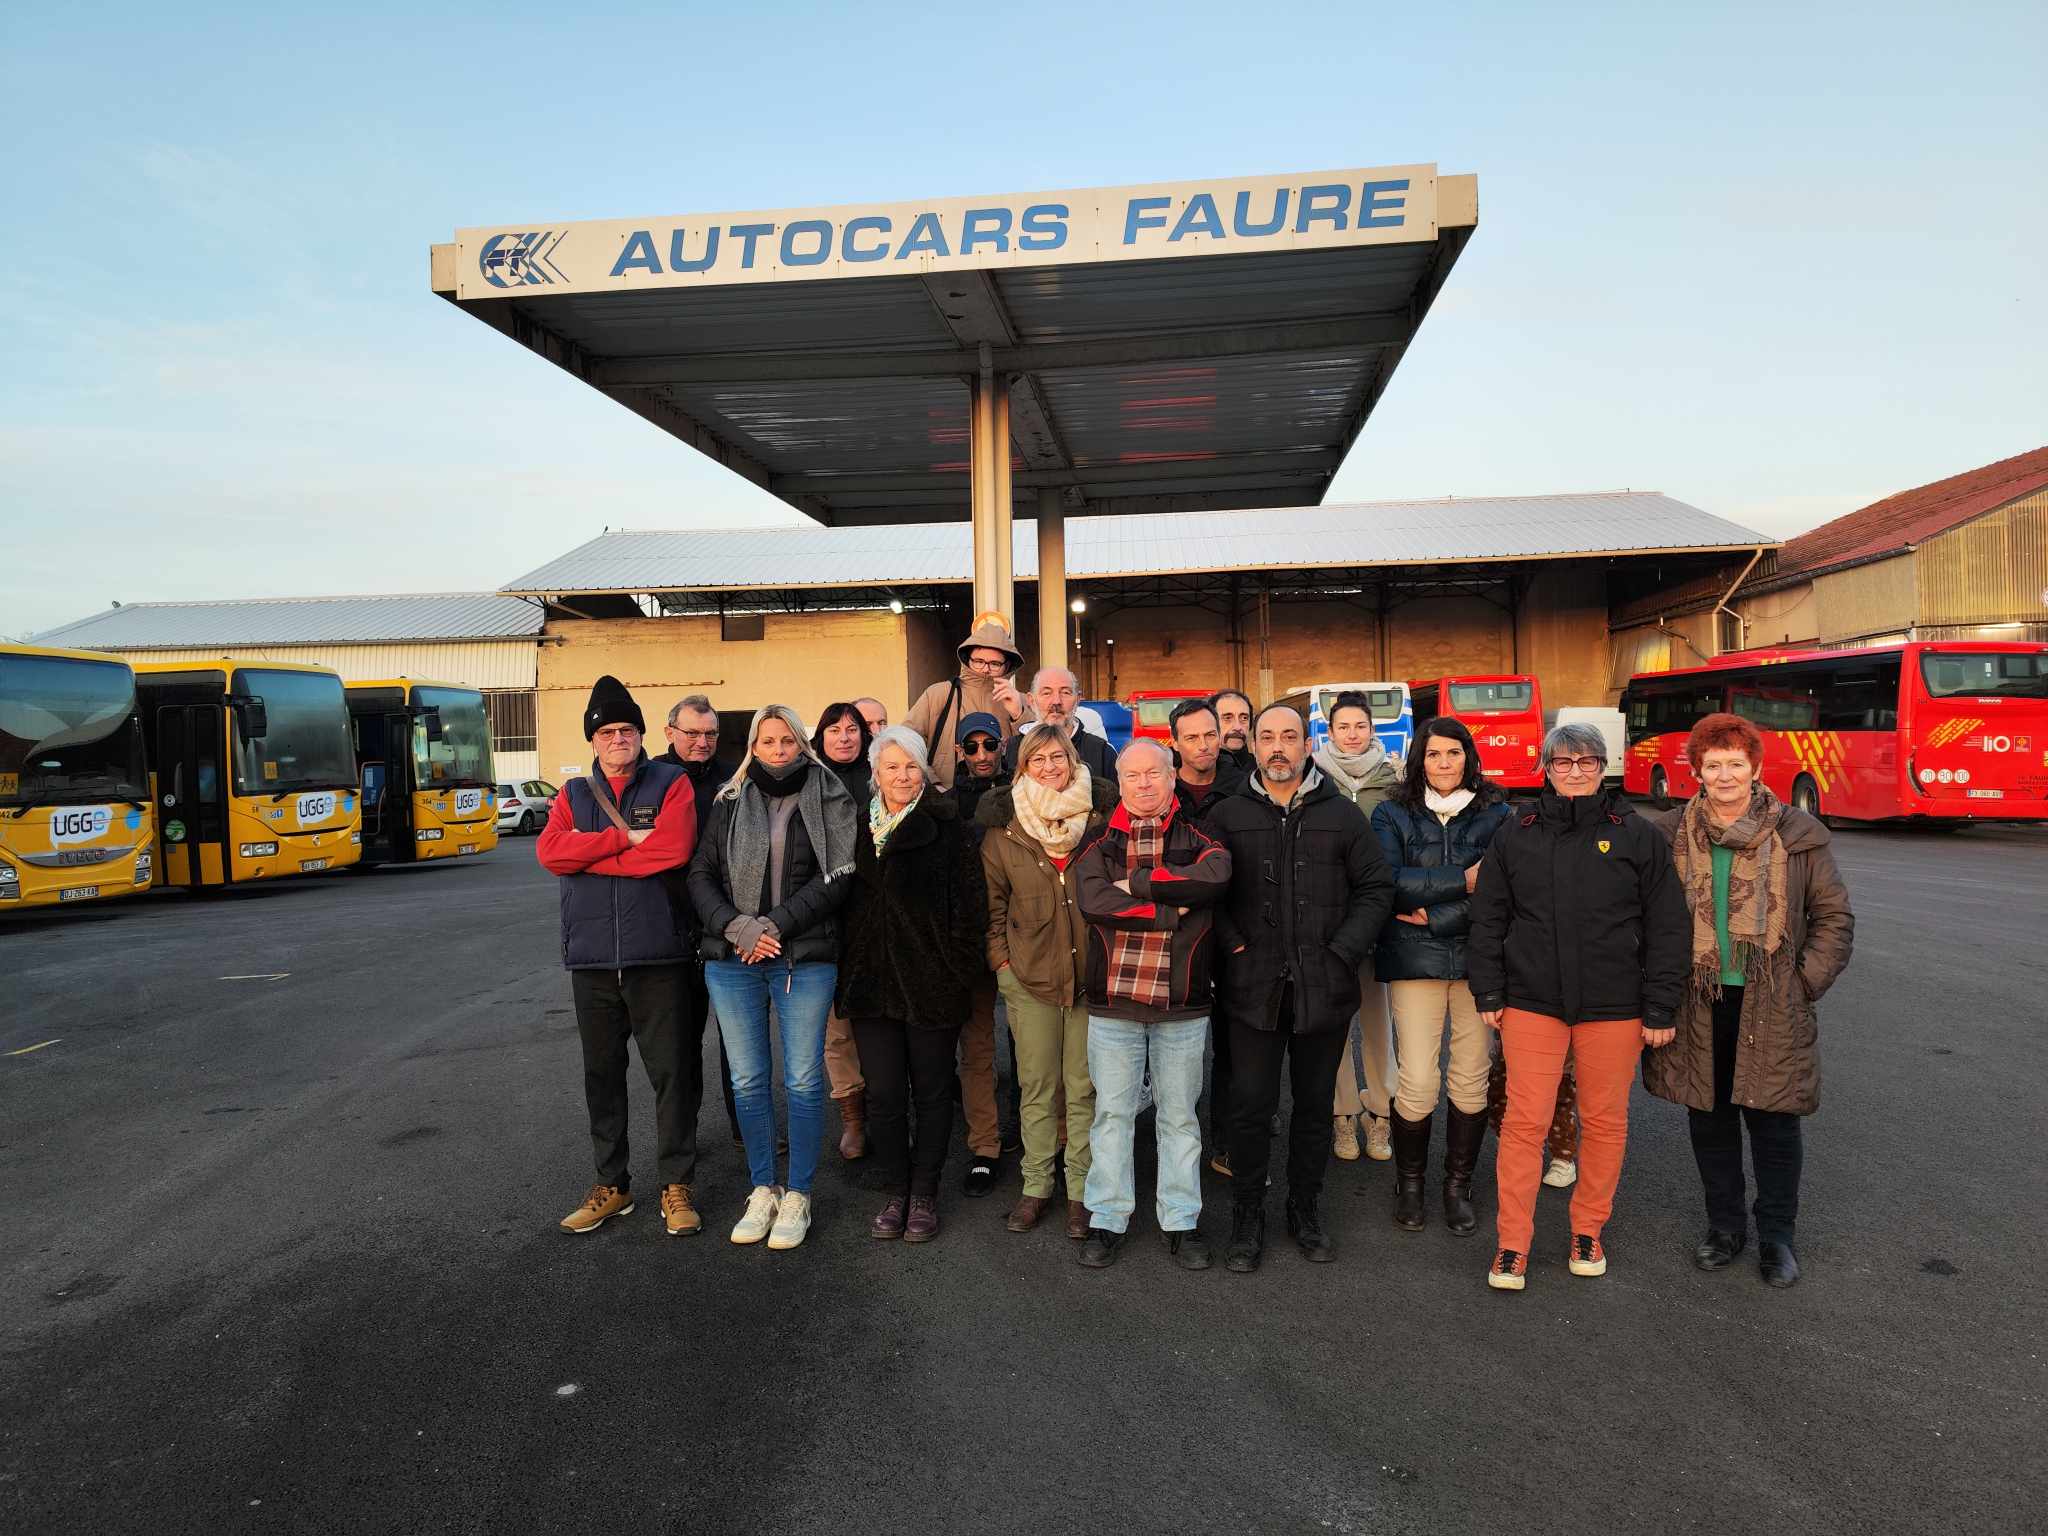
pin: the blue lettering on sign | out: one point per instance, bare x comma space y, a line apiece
1044, 227
639, 253
848, 251
1144, 213
1199, 218
1371, 204
678, 262
1241, 219
1323, 205
816, 228
749, 235
925, 235
984, 226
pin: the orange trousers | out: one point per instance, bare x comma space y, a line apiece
1605, 1054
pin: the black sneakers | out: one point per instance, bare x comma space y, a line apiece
1247, 1239
1305, 1226
981, 1176
1099, 1252
1187, 1249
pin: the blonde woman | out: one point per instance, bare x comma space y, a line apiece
768, 880
1038, 948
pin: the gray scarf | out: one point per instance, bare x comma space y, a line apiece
1352, 771
828, 816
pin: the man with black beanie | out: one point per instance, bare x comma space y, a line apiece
612, 836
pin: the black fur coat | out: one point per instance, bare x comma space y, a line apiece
916, 922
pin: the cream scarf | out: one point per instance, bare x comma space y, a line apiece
1054, 818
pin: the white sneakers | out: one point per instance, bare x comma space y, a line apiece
760, 1215
792, 1221
1562, 1173
783, 1217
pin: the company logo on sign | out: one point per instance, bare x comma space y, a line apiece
315, 807
521, 260
468, 800
1990, 743
79, 824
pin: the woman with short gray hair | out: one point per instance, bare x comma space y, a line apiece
1580, 945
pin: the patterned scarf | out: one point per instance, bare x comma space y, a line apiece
1140, 962
882, 821
1756, 887
1053, 818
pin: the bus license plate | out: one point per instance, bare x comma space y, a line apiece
78, 893
466, 848
307, 866
1987, 794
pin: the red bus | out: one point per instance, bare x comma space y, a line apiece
1504, 715
1151, 708
1938, 728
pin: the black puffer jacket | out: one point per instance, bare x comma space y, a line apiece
916, 921
1429, 859
1309, 893
1579, 915
808, 918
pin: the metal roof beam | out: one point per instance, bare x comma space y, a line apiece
1277, 465
1291, 336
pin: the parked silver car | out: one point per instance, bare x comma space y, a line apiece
523, 806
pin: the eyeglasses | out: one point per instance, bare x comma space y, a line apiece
1564, 765
987, 663
977, 746
695, 735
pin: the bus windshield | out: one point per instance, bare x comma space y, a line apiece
67, 731
306, 744
1985, 674
463, 754
1484, 698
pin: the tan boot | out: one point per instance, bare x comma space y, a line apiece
599, 1206
1344, 1139
853, 1116
677, 1213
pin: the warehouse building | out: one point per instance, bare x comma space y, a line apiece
475, 639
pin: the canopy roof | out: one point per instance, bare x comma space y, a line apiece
1178, 347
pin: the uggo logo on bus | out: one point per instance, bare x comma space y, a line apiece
522, 261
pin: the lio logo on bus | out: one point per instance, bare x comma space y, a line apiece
315, 807
79, 824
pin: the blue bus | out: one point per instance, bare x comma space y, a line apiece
1393, 712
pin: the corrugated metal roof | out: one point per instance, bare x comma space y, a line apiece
303, 621
1292, 538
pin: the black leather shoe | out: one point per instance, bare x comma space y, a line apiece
1717, 1250
1411, 1155
1247, 1239
1305, 1226
1099, 1252
981, 1176
1778, 1264
1188, 1249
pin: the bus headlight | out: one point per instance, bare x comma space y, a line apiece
259, 850
10, 882
356, 838
428, 835
145, 865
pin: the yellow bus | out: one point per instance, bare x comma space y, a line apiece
75, 822
423, 756
254, 775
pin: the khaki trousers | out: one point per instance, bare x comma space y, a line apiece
1376, 1040
1419, 1011
1051, 1048
842, 1058
978, 1073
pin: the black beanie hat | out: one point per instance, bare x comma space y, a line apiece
610, 704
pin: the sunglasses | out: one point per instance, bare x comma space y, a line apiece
978, 746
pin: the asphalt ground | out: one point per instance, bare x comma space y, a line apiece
281, 1254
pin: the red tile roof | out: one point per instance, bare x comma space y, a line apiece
1911, 517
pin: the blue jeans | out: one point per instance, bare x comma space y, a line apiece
802, 995
1118, 1051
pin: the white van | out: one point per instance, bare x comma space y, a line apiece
1610, 723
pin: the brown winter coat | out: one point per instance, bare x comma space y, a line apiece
1777, 1050
936, 714
1035, 924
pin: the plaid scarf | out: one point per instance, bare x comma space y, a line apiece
1140, 963
1756, 887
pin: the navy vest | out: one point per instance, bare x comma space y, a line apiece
613, 921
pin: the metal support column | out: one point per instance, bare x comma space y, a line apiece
989, 435
1052, 580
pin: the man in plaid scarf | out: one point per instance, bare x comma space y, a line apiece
1148, 881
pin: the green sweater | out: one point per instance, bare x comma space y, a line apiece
1724, 861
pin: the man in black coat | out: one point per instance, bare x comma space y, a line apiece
1055, 695
1202, 774
692, 732
1309, 893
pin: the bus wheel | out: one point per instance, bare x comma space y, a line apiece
1660, 790
526, 823
1806, 795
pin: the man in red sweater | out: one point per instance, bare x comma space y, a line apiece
611, 836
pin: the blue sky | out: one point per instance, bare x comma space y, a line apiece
1775, 261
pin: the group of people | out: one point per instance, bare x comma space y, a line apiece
867, 893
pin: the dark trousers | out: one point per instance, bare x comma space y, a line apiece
1256, 1059
1220, 1124
902, 1066
1774, 1144
696, 1015
648, 1004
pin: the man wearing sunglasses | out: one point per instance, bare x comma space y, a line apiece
980, 744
